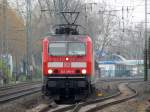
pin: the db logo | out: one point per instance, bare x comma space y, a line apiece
67, 64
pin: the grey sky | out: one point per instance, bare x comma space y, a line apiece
133, 16
135, 13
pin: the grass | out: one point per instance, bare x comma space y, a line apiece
148, 109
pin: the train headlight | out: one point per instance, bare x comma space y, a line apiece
83, 71
50, 71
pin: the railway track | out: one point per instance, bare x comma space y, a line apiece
16, 91
5, 87
122, 79
65, 108
126, 93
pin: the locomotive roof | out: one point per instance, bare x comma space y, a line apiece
68, 37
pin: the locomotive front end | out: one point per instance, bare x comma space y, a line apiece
68, 68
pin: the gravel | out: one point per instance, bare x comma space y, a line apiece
138, 104
22, 104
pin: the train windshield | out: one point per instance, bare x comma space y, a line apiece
76, 49
66, 48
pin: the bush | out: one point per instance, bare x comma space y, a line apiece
5, 71
37, 74
22, 77
148, 109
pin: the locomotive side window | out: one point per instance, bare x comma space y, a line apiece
76, 49
57, 49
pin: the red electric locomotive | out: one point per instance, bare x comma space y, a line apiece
67, 64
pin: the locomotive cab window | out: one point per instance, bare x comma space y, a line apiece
67, 48
76, 49
57, 49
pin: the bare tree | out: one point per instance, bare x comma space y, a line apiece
129, 43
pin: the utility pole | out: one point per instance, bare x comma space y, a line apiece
60, 5
146, 49
28, 38
148, 36
4, 26
4, 40
123, 18
91, 4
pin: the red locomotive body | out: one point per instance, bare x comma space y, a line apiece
67, 64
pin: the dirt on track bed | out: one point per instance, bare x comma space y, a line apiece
138, 104
22, 104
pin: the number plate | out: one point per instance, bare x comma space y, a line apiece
67, 64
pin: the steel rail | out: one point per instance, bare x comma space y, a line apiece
18, 85
5, 94
19, 95
71, 107
111, 103
79, 105
122, 79
15, 93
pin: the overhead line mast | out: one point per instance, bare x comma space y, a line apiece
4, 30
146, 49
28, 38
